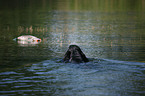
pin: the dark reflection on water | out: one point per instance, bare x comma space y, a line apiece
113, 30
98, 77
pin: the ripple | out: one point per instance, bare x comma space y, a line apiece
97, 76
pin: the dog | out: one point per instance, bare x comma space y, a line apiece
74, 55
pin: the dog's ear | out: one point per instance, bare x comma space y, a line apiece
85, 59
67, 56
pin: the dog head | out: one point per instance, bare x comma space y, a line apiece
75, 55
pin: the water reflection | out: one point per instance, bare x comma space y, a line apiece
27, 43
99, 37
109, 32
111, 29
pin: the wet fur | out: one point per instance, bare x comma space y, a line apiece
75, 55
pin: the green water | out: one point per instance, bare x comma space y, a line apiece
113, 29
105, 29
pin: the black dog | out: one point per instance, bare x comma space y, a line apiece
75, 55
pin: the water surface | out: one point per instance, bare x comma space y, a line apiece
111, 35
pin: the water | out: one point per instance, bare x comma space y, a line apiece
96, 78
111, 35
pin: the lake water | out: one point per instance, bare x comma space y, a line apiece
110, 33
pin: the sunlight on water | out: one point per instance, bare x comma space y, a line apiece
97, 36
